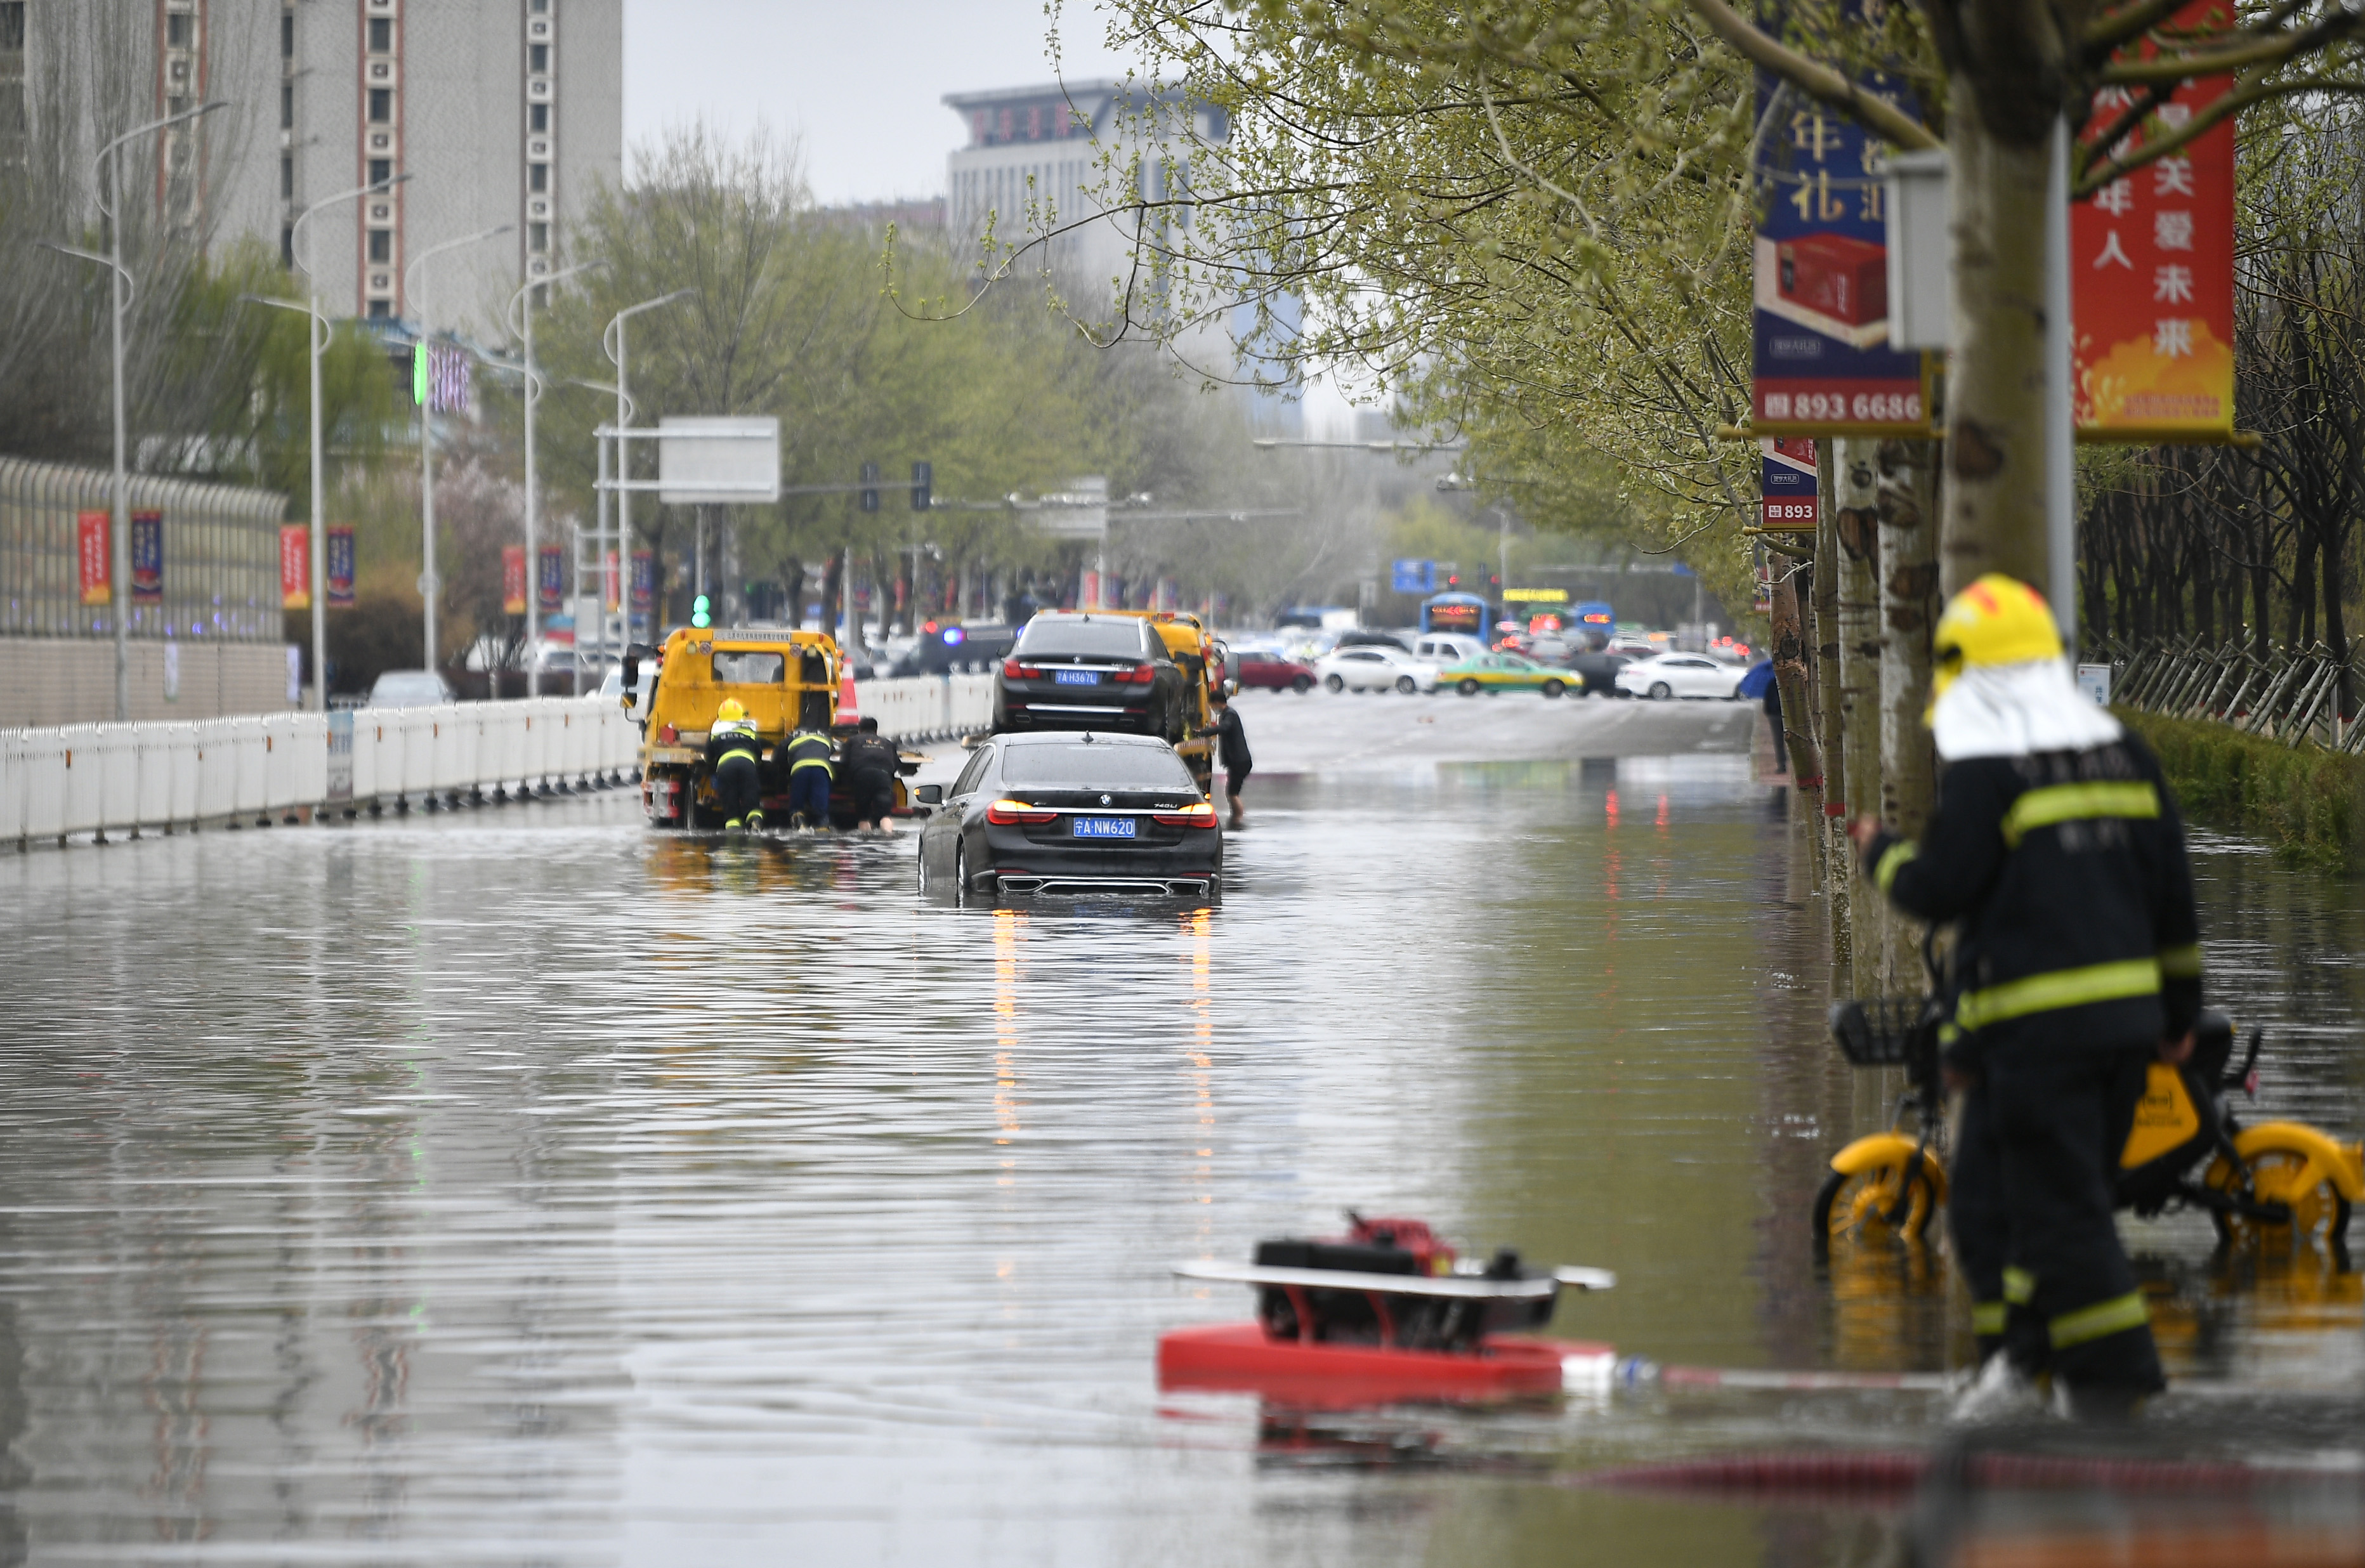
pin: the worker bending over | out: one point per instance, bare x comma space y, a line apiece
2057, 849
732, 753
805, 756
870, 759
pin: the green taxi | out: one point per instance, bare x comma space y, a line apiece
1507, 672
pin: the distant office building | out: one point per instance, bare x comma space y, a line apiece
501, 111
1053, 155
920, 218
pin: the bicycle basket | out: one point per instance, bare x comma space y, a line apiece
1886, 1031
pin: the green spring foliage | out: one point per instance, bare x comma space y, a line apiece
2304, 800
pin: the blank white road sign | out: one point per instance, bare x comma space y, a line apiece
732, 461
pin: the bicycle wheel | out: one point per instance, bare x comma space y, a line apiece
1854, 1205
2319, 1214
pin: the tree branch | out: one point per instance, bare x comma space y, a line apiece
1814, 78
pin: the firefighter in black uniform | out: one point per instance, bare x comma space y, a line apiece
733, 752
805, 755
870, 760
2058, 852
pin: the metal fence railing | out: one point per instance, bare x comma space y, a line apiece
2292, 696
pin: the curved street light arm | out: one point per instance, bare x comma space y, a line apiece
421, 260
295, 230
608, 333
99, 159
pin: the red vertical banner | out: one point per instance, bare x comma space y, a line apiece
294, 565
340, 566
147, 557
2151, 259
1789, 503
611, 583
513, 579
94, 557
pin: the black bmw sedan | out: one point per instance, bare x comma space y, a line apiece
1073, 814
1072, 671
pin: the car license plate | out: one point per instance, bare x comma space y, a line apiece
1076, 676
1106, 827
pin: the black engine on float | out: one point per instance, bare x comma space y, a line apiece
1353, 1315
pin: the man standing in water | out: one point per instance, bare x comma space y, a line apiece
1232, 752
2057, 851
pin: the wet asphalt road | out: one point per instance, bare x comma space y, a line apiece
523, 1186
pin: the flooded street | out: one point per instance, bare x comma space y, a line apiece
526, 1186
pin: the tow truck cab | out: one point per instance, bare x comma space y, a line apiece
784, 679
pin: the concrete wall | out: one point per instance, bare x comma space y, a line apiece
70, 680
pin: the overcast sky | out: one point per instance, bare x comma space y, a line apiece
860, 85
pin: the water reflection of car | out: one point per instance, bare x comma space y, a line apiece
1071, 814
1263, 669
1375, 670
1681, 675
1507, 672
1080, 671
409, 689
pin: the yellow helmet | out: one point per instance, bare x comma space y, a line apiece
1996, 620
731, 712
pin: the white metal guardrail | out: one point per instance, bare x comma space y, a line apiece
123, 778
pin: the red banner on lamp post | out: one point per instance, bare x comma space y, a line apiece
2151, 258
513, 579
294, 565
94, 557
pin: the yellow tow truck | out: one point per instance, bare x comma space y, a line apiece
1202, 659
786, 680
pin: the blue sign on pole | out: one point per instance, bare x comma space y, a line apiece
1416, 577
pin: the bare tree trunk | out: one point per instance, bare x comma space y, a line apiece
1855, 521
1797, 712
1832, 833
1908, 587
732, 596
832, 592
1994, 495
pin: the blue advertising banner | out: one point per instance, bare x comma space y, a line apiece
340, 566
550, 578
1791, 504
1821, 362
1415, 577
147, 557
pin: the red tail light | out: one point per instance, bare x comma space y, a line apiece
1139, 675
1201, 815
1017, 671
1010, 813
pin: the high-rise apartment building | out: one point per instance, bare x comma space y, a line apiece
501, 111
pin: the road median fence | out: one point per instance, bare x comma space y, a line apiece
99, 780
2255, 744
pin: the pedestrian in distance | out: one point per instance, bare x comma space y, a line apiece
806, 757
2057, 853
1232, 752
869, 759
732, 753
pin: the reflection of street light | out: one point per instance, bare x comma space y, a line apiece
119, 590
429, 589
624, 452
523, 302
318, 332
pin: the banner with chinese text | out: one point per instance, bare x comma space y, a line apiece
294, 565
340, 566
94, 558
147, 557
644, 581
1791, 503
2151, 258
513, 579
611, 581
551, 577
1821, 362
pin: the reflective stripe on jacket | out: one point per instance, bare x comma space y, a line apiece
806, 749
2067, 871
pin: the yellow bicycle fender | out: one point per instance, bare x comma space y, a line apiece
1891, 1149
2343, 1166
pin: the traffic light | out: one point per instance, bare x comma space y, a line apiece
418, 374
870, 497
924, 475
702, 611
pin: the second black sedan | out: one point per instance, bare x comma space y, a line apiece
1073, 671
1067, 814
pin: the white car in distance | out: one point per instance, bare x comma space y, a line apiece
1681, 675
1366, 668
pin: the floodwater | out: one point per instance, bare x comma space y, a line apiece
523, 1186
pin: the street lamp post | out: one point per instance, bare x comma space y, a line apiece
109, 158
318, 334
624, 452
523, 302
429, 588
